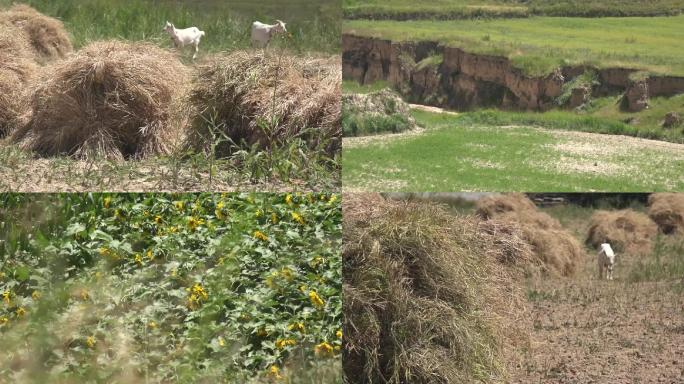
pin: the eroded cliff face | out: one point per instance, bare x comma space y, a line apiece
463, 80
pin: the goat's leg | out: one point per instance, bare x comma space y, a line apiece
196, 50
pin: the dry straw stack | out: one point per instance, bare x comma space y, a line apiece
425, 293
47, 36
555, 250
667, 211
17, 69
625, 230
113, 99
267, 100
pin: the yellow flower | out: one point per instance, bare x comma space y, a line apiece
158, 219
21, 311
197, 295
303, 288
4, 320
316, 300
324, 349
104, 251
35, 295
221, 342
91, 341
174, 272
7, 297
106, 201
274, 372
118, 213
180, 205
298, 218
298, 326
318, 260
288, 199
149, 254
219, 213
332, 200
193, 223
258, 213
261, 332
287, 274
338, 333
282, 343
152, 324
274, 218
146, 213
260, 235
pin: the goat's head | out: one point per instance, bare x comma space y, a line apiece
168, 27
280, 27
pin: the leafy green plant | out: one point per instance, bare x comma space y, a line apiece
170, 288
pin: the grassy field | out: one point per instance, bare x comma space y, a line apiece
541, 44
458, 153
460, 9
315, 27
150, 288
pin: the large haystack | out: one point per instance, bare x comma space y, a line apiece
47, 36
111, 99
424, 294
554, 248
376, 112
267, 100
667, 210
626, 231
17, 69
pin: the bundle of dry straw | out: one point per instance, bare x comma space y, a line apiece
667, 211
267, 100
626, 231
555, 249
424, 294
113, 99
17, 69
47, 36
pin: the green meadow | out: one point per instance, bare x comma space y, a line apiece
315, 26
501, 151
459, 9
540, 44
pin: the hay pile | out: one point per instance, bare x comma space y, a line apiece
236, 93
120, 100
376, 112
555, 250
424, 294
667, 211
626, 231
46, 35
17, 69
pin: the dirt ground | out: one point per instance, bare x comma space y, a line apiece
589, 331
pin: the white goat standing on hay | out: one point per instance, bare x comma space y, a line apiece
183, 37
263, 33
606, 261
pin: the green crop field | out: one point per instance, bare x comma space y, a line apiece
458, 9
314, 26
158, 288
540, 44
472, 152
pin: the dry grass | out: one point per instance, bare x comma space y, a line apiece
667, 211
425, 293
555, 250
267, 99
47, 36
626, 231
113, 99
16, 70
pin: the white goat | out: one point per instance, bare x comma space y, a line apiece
183, 37
263, 33
606, 261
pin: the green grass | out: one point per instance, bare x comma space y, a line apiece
462, 9
315, 26
540, 44
454, 154
158, 288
